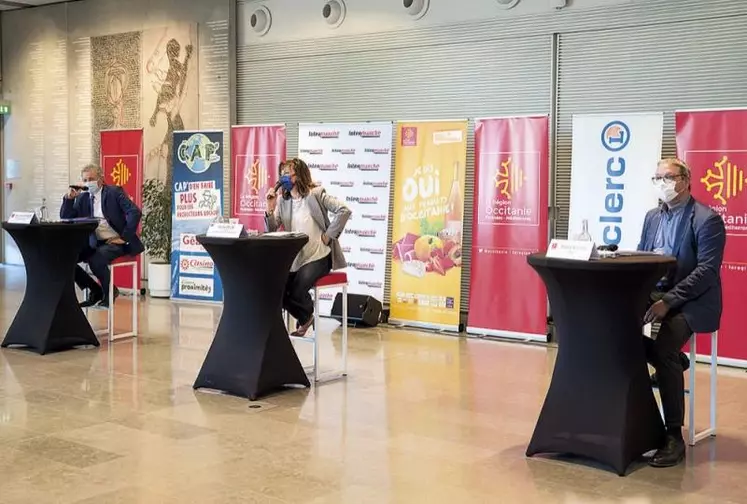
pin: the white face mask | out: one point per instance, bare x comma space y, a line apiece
93, 187
665, 190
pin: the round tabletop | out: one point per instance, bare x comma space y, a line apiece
623, 262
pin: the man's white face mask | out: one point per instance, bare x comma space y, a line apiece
666, 190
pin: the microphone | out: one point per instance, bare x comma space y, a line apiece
608, 248
78, 187
278, 185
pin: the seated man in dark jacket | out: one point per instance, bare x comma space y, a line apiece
116, 235
688, 299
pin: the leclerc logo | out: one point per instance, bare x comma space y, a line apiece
324, 134
615, 138
365, 133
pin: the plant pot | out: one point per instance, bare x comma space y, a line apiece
159, 280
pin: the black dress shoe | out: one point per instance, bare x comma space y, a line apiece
104, 303
91, 300
685, 366
671, 455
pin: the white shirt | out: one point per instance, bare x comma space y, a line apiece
104, 231
302, 222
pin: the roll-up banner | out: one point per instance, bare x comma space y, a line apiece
713, 143
428, 216
122, 164
510, 222
257, 152
353, 162
614, 157
197, 196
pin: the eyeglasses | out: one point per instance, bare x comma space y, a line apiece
667, 177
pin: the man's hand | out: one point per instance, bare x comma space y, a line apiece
115, 241
656, 312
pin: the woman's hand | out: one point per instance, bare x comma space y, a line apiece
272, 201
325, 239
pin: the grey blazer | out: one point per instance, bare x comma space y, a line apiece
321, 205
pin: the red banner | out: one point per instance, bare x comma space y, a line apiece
122, 163
257, 153
714, 145
510, 222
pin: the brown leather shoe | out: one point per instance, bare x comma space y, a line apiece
672, 454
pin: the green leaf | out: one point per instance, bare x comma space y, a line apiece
156, 232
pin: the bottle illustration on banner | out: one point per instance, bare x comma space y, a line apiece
455, 205
584, 235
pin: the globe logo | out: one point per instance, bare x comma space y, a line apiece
198, 153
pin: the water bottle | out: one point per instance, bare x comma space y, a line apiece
584, 236
43, 213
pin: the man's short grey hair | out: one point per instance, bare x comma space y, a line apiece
92, 168
679, 164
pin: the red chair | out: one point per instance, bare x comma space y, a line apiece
330, 281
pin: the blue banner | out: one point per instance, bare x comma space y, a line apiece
197, 199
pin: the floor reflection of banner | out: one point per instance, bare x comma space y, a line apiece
509, 223
256, 154
714, 145
122, 164
427, 229
353, 162
197, 196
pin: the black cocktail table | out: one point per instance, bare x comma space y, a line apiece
49, 318
600, 404
251, 354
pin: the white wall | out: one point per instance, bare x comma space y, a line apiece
302, 19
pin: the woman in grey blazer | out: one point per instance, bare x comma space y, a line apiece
304, 207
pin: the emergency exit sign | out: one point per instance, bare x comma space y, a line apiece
4, 108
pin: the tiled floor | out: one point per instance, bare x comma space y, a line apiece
421, 419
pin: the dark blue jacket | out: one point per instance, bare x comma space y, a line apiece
119, 211
699, 249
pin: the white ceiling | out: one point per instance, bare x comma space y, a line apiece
21, 4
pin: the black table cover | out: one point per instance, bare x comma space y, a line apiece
600, 403
49, 318
251, 354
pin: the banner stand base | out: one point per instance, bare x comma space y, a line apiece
508, 335
411, 324
722, 361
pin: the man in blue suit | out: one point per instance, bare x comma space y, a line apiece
688, 299
115, 236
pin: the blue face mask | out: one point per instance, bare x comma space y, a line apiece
286, 183
93, 187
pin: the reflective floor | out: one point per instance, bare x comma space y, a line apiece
421, 419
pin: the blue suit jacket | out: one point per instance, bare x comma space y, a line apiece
119, 211
699, 249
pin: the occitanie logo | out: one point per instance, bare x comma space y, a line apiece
724, 180
509, 178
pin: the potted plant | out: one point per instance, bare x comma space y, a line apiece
156, 236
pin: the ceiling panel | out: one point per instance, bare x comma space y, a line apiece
23, 4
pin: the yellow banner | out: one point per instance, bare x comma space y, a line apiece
428, 216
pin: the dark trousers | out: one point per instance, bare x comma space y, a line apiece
297, 300
98, 259
663, 354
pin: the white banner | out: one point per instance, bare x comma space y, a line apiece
353, 161
614, 158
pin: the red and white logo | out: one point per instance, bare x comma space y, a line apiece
196, 265
189, 243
